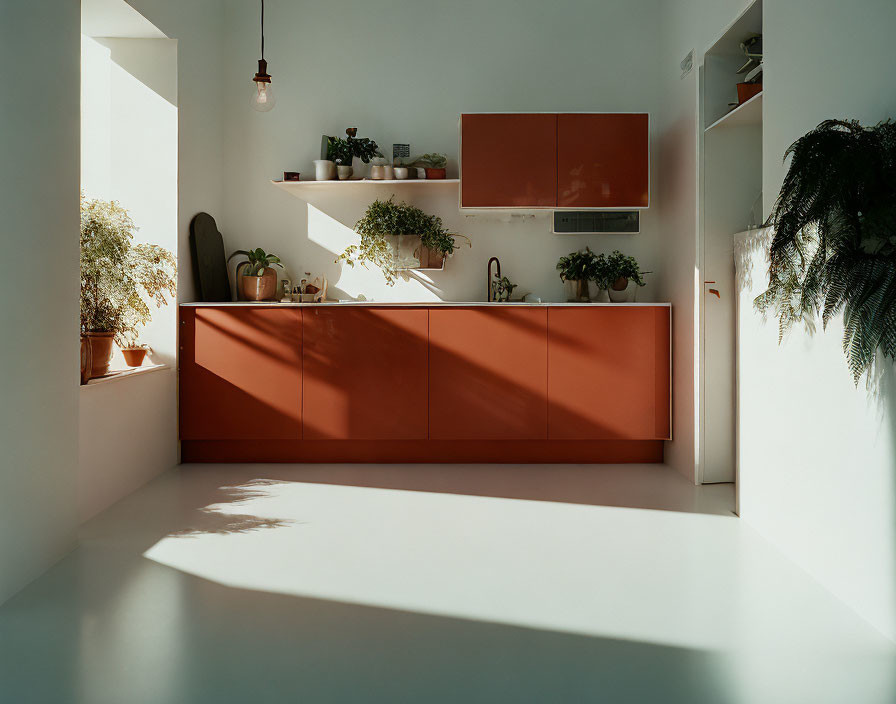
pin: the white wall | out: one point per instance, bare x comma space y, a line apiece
403, 72
38, 307
818, 469
686, 25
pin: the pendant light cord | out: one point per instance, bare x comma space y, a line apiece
262, 29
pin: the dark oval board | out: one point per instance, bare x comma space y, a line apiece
209, 262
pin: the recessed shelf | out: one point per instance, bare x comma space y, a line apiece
748, 113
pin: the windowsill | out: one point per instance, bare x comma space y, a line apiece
122, 374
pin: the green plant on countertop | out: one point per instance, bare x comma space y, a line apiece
119, 278
432, 161
620, 269
385, 217
577, 266
502, 288
259, 260
833, 246
342, 150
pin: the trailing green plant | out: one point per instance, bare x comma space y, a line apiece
120, 279
342, 150
502, 288
385, 217
433, 161
259, 260
621, 266
577, 266
833, 246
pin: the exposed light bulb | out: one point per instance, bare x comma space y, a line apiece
262, 96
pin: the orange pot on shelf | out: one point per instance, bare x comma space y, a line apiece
435, 173
133, 356
745, 91
86, 359
100, 352
259, 288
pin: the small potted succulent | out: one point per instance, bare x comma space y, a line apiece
434, 165
576, 270
623, 276
133, 352
118, 279
256, 280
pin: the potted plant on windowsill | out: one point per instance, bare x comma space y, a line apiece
398, 236
434, 164
256, 280
624, 277
133, 352
576, 270
118, 278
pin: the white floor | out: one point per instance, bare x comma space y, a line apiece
432, 584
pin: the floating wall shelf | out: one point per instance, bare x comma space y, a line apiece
368, 183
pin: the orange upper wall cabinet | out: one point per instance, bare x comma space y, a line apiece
509, 160
240, 373
365, 372
602, 160
608, 373
488, 373
570, 160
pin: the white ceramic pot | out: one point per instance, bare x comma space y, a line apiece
597, 295
421, 172
626, 295
344, 172
400, 172
576, 291
324, 170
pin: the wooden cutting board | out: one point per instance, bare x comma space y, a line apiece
209, 262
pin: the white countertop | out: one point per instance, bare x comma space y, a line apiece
419, 304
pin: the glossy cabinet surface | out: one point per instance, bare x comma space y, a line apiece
602, 160
509, 160
240, 373
608, 373
488, 373
365, 373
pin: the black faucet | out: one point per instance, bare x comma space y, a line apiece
491, 288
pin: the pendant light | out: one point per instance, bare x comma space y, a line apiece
262, 91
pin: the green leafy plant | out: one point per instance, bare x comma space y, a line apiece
502, 288
577, 266
433, 161
833, 246
259, 260
619, 266
120, 279
342, 150
385, 217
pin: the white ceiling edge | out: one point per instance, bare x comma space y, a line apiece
115, 18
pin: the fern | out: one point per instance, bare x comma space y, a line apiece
834, 243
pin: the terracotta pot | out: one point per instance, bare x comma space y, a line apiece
133, 356
620, 284
259, 288
100, 352
86, 359
435, 173
745, 91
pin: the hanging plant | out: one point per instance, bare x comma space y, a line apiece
386, 218
834, 242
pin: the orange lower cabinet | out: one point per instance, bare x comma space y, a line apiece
240, 373
365, 373
488, 373
608, 373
